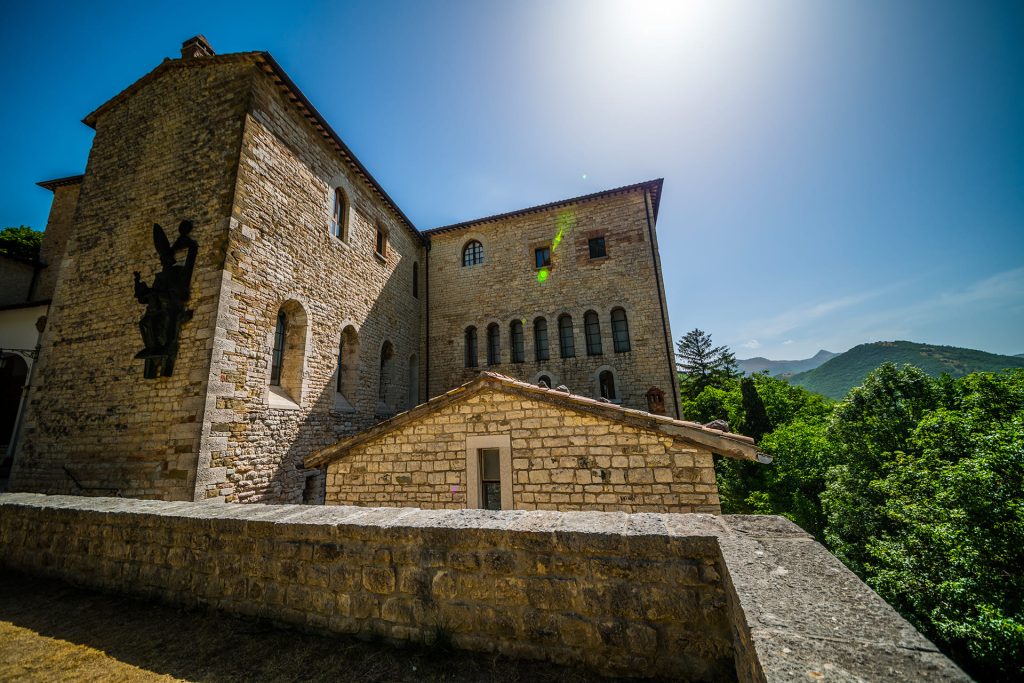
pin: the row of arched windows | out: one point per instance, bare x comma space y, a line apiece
541, 346
285, 356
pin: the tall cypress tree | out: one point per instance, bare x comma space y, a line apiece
755, 422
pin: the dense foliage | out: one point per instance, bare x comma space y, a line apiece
21, 242
915, 482
837, 376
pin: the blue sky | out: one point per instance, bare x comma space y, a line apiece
835, 172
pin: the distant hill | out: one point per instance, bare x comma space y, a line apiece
749, 366
847, 370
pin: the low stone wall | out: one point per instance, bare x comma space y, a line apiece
685, 596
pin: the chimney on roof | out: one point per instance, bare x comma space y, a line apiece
196, 48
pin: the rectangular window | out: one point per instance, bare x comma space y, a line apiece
490, 478
596, 245
382, 240
542, 257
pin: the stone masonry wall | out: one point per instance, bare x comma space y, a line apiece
690, 597
55, 238
167, 153
282, 254
561, 460
506, 287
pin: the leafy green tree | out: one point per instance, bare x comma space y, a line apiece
703, 364
21, 242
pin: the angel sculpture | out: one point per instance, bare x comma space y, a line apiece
165, 301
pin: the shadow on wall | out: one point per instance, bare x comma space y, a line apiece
327, 415
118, 633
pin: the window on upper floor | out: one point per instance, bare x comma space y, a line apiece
471, 356
416, 280
596, 246
540, 339
380, 243
277, 356
592, 328
472, 253
516, 336
339, 215
542, 257
493, 344
620, 330
566, 343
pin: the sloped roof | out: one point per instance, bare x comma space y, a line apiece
722, 443
653, 186
52, 185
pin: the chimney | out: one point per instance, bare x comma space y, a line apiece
196, 48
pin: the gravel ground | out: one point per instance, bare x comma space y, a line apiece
51, 631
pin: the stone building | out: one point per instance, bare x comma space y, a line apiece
500, 443
313, 308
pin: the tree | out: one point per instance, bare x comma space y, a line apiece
22, 242
756, 423
703, 364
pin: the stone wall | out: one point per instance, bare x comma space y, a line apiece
168, 151
15, 281
282, 255
691, 597
55, 238
560, 460
506, 287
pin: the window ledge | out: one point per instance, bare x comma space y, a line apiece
380, 257
342, 405
279, 399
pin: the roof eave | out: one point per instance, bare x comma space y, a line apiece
53, 184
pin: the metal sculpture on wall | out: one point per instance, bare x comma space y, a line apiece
166, 301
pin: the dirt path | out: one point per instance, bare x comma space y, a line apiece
51, 631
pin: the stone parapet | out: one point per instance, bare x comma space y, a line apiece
675, 595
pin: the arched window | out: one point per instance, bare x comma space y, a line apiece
277, 357
606, 380
493, 344
592, 327
620, 330
414, 381
339, 213
540, 339
288, 354
415, 280
544, 380
348, 353
566, 343
384, 378
472, 253
471, 347
516, 333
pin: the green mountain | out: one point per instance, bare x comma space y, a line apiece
775, 368
847, 370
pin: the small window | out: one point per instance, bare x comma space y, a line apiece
340, 384
518, 352
592, 328
381, 243
606, 380
542, 257
348, 353
620, 330
472, 253
471, 347
338, 214
544, 380
311, 490
490, 478
416, 280
540, 339
493, 344
384, 378
566, 343
596, 245
277, 358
